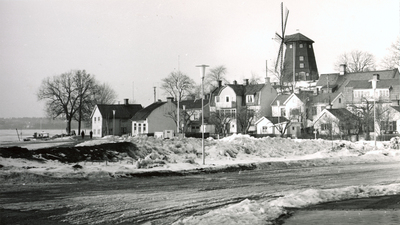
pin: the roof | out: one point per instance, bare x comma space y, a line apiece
251, 89
297, 37
144, 113
242, 90
397, 108
273, 119
366, 84
122, 111
281, 98
336, 78
342, 114
192, 104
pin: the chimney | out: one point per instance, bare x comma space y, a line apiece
267, 80
170, 99
235, 82
342, 69
219, 83
126, 100
245, 81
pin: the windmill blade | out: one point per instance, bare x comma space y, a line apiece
278, 37
278, 59
286, 19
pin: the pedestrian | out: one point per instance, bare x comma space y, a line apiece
91, 134
83, 134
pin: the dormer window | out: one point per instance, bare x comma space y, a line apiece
250, 98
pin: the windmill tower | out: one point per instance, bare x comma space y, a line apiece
300, 58
298, 63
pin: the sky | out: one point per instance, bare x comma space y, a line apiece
132, 45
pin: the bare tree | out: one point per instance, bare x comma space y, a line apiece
392, 60
255, 79
221, 120
364, 112
216, 74
66, 94
356, 61
285, 79
177, 85
104, 94
245, 118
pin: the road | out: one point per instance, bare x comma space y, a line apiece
163, 200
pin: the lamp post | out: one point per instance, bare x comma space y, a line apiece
113, 122
374, 80
279, 114
202, 74
183, 124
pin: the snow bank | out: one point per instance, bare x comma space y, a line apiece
266, 211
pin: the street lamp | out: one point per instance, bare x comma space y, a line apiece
113, 122
183, 124
202, 74
374, 80
279, 114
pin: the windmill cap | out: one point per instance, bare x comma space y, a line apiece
297, 37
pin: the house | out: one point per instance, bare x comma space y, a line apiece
113, 119
233, 102
272, 125
155, 118
336, 122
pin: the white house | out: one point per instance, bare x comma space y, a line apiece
113, 119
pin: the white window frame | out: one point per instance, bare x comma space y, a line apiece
301, 58
302, 65
250, 98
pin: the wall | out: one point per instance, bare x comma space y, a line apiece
97, 126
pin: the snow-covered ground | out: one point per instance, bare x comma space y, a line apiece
185, 154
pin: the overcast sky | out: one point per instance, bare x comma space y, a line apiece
132, 45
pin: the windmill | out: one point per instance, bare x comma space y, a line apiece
281, 39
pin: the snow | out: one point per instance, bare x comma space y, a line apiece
266, 211
236, 149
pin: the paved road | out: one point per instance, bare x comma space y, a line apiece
165, 199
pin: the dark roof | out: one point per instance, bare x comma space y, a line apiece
276, 119
144, 113
342, 114
122, 111
336, 78
251, 89
282, 99
366, 84
192, 104
297, 37
397, 108
237, 88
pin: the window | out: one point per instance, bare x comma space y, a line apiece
340, 100
98, 131
264, 129
301, 45
216, 98
144, 127
283, 112
325, 126
227, 98
290, 46
301, 58
301, 65
314, 111
140, 128
309, 46
95, 119
134, 126
250, 98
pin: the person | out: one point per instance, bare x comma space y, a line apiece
83, 134
91, 134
